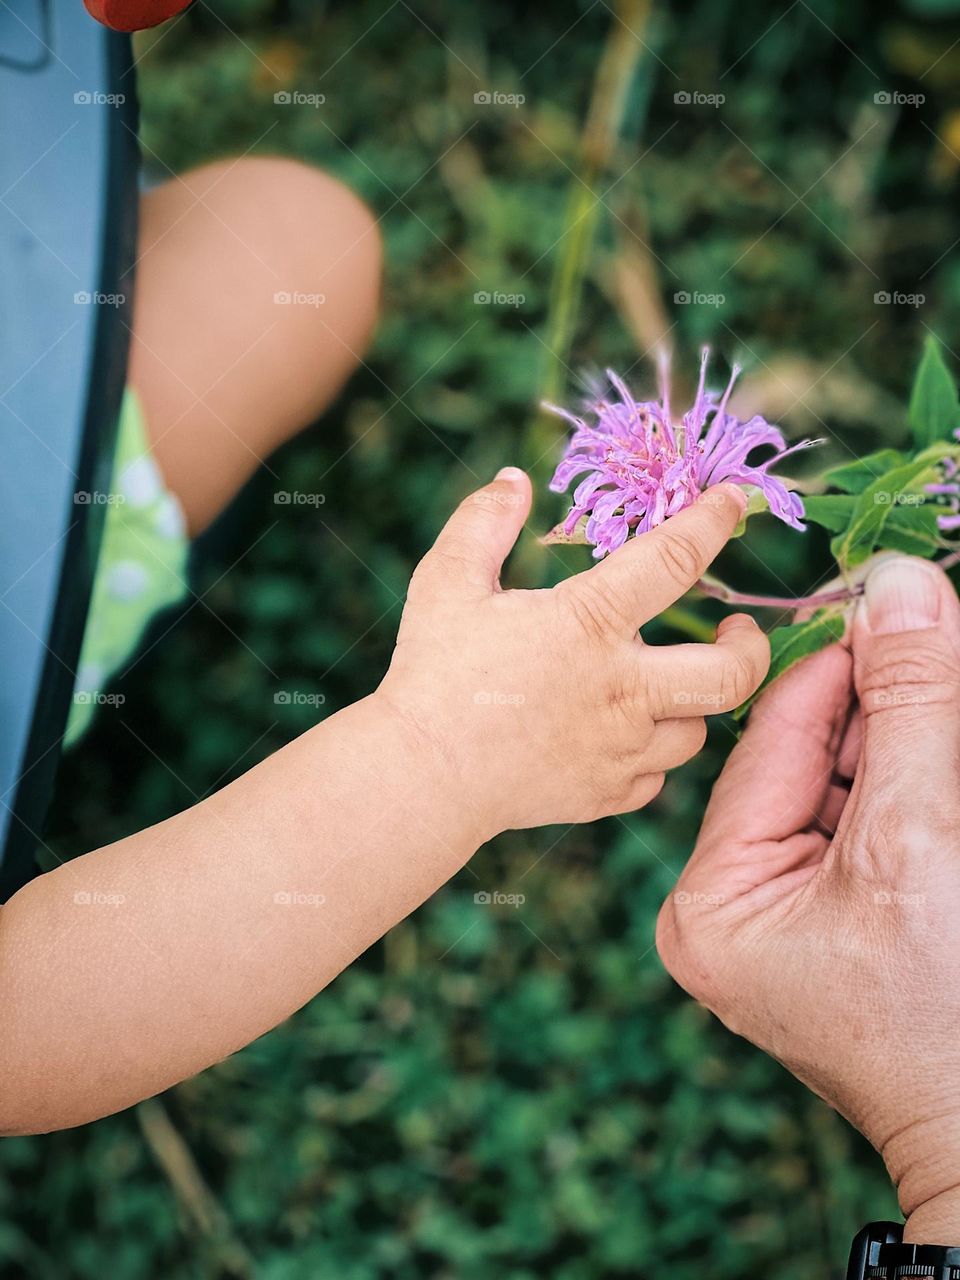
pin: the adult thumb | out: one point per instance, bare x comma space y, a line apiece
467, 557
906, 648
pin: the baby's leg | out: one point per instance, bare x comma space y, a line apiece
225, 369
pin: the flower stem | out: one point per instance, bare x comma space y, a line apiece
720, 591
837, 595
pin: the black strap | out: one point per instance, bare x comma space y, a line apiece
878, 1253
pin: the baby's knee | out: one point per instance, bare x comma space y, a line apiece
329, 253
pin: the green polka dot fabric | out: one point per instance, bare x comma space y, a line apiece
142, 567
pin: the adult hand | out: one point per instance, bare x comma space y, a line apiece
822, 921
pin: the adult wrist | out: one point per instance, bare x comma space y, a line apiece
924, 1164
936, 1221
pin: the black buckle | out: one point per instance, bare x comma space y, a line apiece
865, 1250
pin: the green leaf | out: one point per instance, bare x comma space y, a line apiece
910, 528
913, 530
879, 500
853, 477
756, 504
933, 413
788, 645
832, 511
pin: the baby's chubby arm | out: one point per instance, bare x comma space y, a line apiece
141, 963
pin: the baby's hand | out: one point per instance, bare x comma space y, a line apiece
546, 706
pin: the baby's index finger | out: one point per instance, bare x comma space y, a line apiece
653, 570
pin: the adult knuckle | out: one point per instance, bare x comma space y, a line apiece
919, 676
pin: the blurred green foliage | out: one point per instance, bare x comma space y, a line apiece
498, 1091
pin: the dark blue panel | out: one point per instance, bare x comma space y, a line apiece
67, 203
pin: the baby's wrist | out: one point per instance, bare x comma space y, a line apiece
438, 773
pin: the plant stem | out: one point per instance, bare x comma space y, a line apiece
615, 73
720, 591
837, 595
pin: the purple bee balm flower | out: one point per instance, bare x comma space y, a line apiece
949, 522
640, 465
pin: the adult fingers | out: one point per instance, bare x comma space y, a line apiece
650, 572
706, 679
906, 646
778, 776
467, 557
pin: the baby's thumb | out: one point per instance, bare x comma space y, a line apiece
469, 553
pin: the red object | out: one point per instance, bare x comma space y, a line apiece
134, 15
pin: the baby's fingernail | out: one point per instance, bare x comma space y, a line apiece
509, 473
902, 595
737, 494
